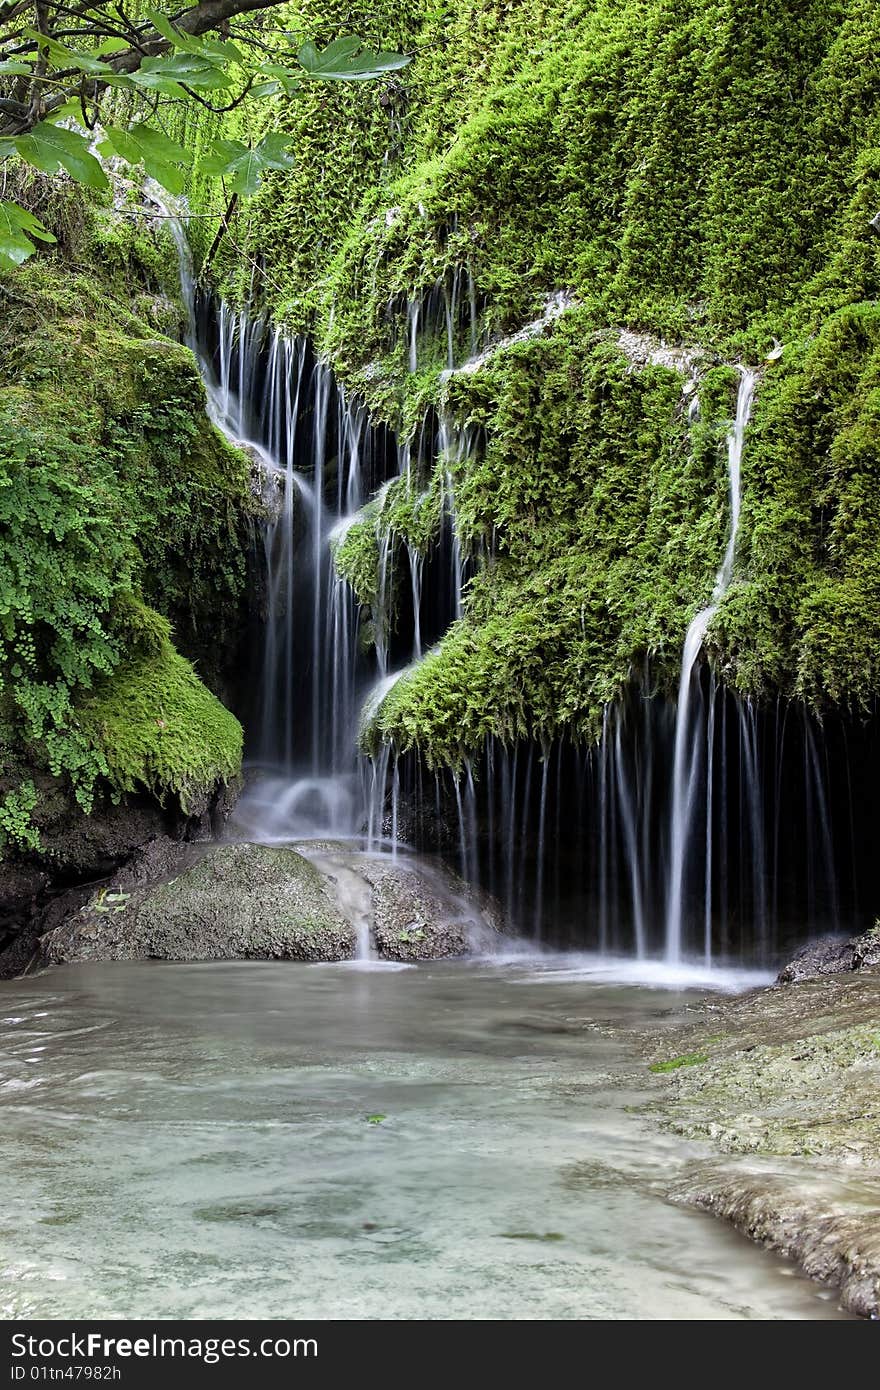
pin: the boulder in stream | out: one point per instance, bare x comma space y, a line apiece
177, 901
237, 901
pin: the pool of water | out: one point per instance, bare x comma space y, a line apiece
448, 1141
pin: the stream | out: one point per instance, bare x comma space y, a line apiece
454, 1140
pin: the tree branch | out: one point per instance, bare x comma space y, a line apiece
198, 19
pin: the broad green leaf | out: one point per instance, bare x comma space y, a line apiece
13, 68
201, 46
157, 82
167, 71
118, 79
335, 52
27, 221
112, 46
69, 57
286, 81
346, 60
17, 227
141, 141
51, 147
162, 24
70, 111
221, 50
242, 168
274, 150
159, 155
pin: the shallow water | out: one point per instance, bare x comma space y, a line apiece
196, 1141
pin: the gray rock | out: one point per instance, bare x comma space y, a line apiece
414, 908
832, 955
158, 861
176, 900
239, 901
833, 1242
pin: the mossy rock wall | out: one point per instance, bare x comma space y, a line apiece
692, 170
125, 531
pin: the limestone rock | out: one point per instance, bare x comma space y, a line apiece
832, 955
237, 901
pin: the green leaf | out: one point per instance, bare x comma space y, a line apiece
166, 72
162, 24
69, 57
71, 110
220, 50
50, 148
17, 227
152, 81
274, 151
346, 60
242, 168
12, 68
112, 46
282, 76
216, 50
143, 144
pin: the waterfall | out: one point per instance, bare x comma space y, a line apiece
687, 756
318, 457
711, 826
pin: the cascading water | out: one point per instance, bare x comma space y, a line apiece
709, 827
322, 458
688, 750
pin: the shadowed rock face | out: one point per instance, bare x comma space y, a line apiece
175, 901
832, 956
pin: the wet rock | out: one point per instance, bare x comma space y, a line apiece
424, 912
410, 908
239, 901
75, 845
158, 861
179, 900
79, 854
785, 1091
832, 955
74, 848
21, 885
833, 1241
404, 907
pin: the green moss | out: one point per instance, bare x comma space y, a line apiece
159, 728
401, 515
411, 513
356, 556
115, 493
686, 168
687, 1059
804, 619
599, 545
